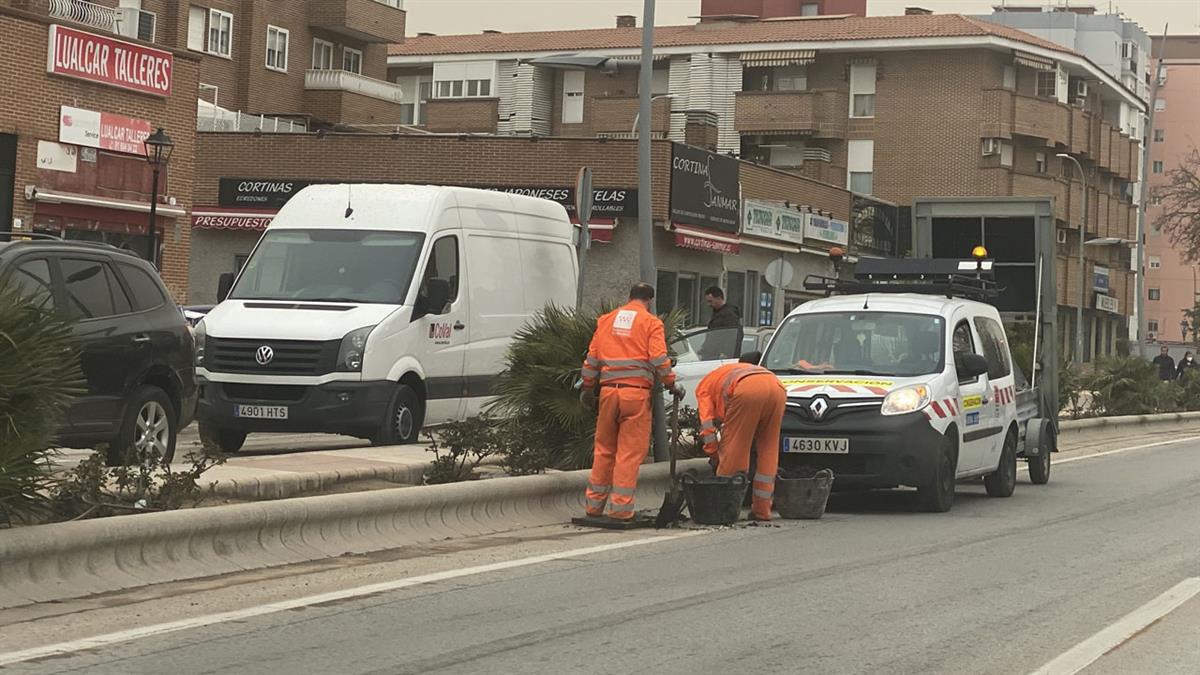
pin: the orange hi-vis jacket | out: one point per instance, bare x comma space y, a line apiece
628, 348
713, 394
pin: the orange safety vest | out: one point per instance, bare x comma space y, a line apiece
713, 394
628, 348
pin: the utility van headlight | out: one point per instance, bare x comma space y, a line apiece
907, 400
350, 355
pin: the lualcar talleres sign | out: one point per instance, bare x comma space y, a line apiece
772, 221
705, 189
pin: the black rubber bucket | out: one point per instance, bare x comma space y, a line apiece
714, 500
803, 498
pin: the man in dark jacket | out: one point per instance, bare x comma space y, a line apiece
724, 315
725, 344
1166, 365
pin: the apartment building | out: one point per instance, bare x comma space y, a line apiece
897, 108
1171, 286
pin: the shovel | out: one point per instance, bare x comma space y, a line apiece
673, 501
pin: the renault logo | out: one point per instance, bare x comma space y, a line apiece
818, 408
264, 355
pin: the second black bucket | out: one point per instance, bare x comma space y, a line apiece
714, 500
803, 498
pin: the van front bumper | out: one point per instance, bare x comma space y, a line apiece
349, 408
885, 451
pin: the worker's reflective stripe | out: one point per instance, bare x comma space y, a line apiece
627, 492
588, 372
661, 361
763, 478
708, 426
599, 489
597, 503
709, 437
627, 363
737, 375
763, 494
592, 361
626, 374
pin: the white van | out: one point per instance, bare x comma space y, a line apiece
372, 310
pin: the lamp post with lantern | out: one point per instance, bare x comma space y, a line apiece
158, 154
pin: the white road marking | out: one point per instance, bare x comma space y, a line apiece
1090, 650
132, 634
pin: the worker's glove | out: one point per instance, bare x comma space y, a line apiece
678, 392
588, 398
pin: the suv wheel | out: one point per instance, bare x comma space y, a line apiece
147, 429
1002, 481
937, 496
227, 440
402, 423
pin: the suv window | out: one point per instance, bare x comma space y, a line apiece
92, 289
995, 350
147, 294
963, 344
33, 278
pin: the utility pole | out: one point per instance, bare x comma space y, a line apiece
1083, 280
1144, 198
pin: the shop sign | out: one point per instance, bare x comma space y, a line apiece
106, 60
106, 131
266, 193
231, 221
1107, 303
53, 156
705, 189
1100, 279
697, 243
771, 221
828, 229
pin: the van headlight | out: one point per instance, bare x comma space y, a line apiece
350, 355
199, 335
906, 400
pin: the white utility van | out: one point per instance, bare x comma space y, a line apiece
372, 310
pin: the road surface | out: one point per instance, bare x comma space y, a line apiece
995, 586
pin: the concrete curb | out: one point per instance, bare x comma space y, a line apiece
1077, 431
70, 560
286, 485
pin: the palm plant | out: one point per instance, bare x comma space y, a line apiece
536, 391
1129, 386
39, 375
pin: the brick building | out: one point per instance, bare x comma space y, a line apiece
76, 100
898, 108
1170, 280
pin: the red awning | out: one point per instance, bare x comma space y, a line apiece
216, 218
62, 217
601, 230
699, 239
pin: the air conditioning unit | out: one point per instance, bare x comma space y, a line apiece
1062, 236
991, 146
135, 23
1080, 102
1081, 89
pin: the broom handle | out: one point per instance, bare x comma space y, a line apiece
674, 436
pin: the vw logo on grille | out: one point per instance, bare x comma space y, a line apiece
818, 408
264, 355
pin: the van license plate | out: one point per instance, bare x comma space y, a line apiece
821, 446
261, 412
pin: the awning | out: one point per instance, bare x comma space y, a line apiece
699, 239
799, 57
601, 230
215, 218
636, 58
42, 195
768, 244
1031, 61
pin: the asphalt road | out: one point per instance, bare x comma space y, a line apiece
995, 586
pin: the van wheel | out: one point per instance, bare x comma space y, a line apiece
227, 440
1002, 481
937, 496
1039, 466
148, 429
402, 423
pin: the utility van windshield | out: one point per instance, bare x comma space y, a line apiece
859, 343
331, 266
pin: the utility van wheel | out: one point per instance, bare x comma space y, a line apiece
227, 440
402, 423
1039, 467
1002, 481
937, 496
148, 427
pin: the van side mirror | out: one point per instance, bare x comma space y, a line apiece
970, 366
224, 285
433, 298
751, 357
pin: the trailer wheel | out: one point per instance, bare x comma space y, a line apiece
1039, 466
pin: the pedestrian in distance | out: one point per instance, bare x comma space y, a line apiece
1166, 365
724, 315
747, 402
628, 354
1186, 365
725, 344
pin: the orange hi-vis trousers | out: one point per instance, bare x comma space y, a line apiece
754, 414
622, 441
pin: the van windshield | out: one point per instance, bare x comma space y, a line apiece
366, 266
859, 343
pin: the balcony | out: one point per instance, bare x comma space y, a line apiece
614, 116
88, 14
339, 96
1041, 118
362, 20
462, 115
790, 112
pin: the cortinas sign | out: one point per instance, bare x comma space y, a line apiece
771, 221
74, 53
705, 189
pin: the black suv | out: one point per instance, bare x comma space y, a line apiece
136, 347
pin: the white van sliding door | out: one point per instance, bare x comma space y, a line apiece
498, 302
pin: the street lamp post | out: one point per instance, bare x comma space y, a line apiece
158, 153
637, 118
1082, 263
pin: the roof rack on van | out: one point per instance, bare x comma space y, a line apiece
953, 278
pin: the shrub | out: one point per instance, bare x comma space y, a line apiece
1129, 386
460, 447
39, 375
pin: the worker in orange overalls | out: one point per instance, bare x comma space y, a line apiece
748, 401
628, 353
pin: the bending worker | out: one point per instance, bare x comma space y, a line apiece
628, 353
748, 401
